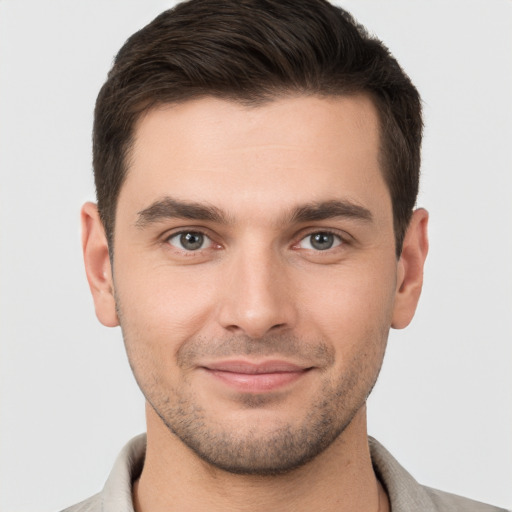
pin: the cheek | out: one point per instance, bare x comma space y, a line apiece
350, 305
158, 313
162, 307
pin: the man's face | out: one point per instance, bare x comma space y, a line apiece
255, 273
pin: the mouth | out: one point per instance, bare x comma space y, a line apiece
251, 377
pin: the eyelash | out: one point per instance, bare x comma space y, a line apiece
343, 241
186, 252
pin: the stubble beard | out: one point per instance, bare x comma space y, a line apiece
256, 449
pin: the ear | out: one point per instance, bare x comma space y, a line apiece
410, 270
97, 265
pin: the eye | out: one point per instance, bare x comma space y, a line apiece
190, 241
320, 241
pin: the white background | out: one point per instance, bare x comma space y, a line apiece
443, 405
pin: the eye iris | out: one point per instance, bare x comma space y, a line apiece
191, 241
322, 241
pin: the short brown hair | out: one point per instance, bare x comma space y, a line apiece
253, 51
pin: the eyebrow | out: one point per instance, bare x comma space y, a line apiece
329, 210
169, 208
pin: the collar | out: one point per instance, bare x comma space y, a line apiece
405, 494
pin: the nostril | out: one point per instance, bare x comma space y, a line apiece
233, 328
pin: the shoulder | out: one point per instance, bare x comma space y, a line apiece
92, 504
117, 492
446, 501
407, 495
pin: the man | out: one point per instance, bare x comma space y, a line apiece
255, 237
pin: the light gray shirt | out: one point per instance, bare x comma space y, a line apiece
405, 494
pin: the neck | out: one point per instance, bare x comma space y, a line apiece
339, 479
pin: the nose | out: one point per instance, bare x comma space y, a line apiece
257, 296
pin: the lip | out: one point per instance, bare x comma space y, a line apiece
256, 377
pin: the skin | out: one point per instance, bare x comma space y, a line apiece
257, 183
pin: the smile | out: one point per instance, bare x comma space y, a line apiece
256, 378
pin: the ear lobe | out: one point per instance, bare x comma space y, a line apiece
97, 265
410, 270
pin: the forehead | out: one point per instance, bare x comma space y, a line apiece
284, 152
